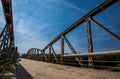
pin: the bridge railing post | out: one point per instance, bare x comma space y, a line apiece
62, 49
43, 52
89, 40
49, 54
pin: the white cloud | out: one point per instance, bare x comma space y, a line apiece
26, 37
67, 4
26, 29
70, 5
30, 32
22, 28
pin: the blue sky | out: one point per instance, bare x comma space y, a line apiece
37, 22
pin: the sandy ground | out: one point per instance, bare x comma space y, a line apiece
42, 70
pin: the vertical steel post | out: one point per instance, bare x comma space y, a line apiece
62, 49
43, 53
37, 54
49, 54
89, 40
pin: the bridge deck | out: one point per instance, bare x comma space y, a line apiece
42, 70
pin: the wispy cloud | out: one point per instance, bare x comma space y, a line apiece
31, 32
27, 30
26, 37
70, 5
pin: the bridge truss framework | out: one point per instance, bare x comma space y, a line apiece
88, 19
8, 50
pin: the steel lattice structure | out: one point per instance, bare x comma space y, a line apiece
8, 51
87, 19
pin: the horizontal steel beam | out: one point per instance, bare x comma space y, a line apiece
93, 54
95, 11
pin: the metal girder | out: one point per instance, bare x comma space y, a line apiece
7, 8
8, 51
93, 54
49, 54
105, 29
72, 49
89, 36
95, 11
43, 52
89, 39
85, 19
54, 54
34, 51
62, 48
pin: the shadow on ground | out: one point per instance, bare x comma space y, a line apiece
21, 73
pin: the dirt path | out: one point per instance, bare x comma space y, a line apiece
42, 70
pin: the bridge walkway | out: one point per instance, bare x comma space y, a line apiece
43, 70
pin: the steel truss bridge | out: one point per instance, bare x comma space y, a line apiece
8, 50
